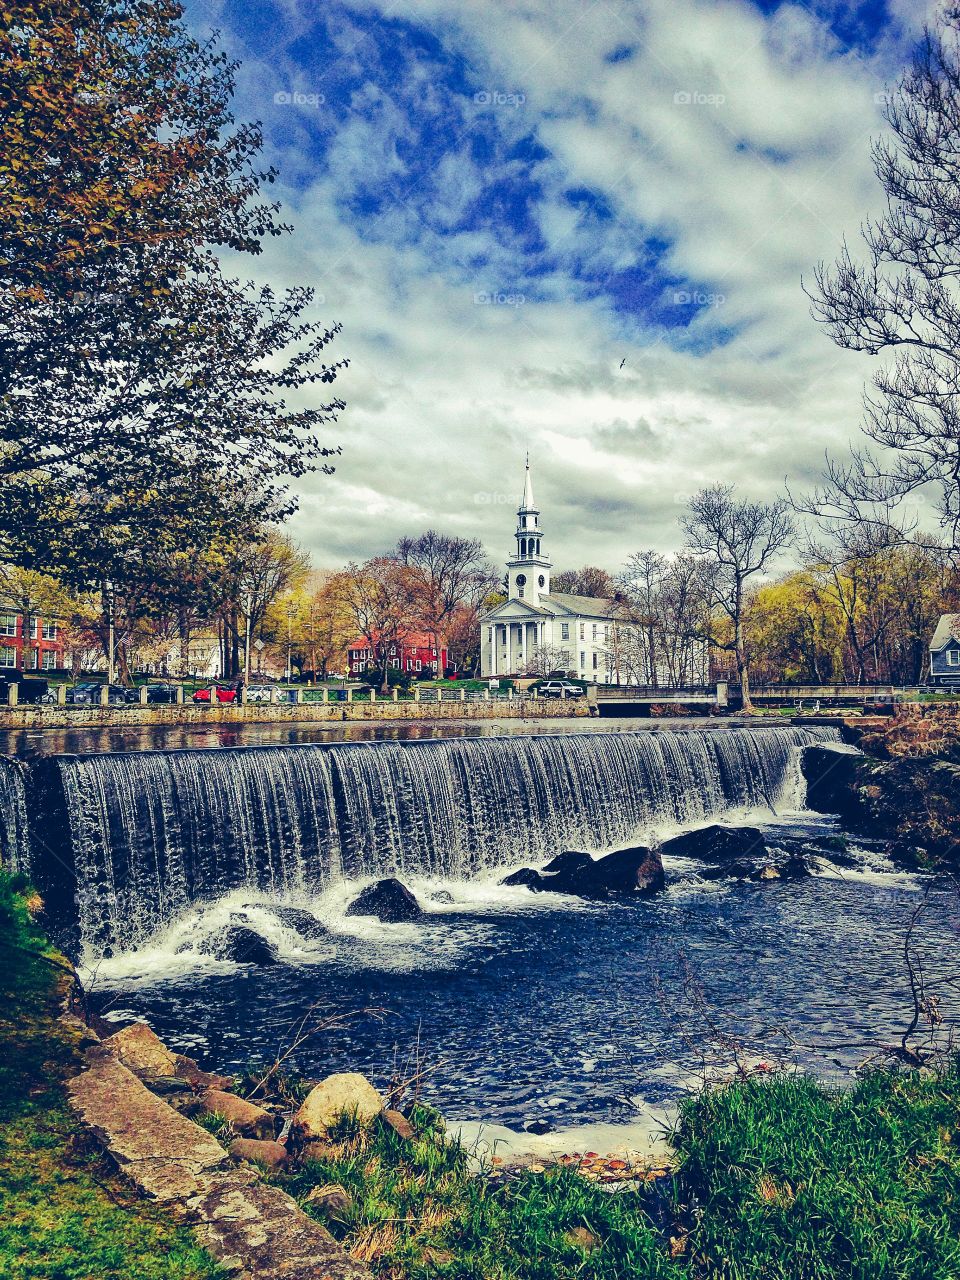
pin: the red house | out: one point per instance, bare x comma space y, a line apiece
41, 650
414, 652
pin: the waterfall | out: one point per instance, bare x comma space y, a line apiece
14, 843
152, 832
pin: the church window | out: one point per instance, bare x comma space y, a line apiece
542, 580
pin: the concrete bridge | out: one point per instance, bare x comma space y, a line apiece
622, 699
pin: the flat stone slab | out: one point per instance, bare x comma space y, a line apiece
264, 1230
254, 1230
160, 1150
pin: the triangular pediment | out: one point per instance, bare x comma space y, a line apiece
514, 611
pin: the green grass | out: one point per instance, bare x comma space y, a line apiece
795, 1182
65, 1215
420, 1212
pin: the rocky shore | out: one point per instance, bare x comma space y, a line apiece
897, 781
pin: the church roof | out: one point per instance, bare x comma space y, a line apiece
589, 606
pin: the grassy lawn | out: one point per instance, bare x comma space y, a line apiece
65, 1216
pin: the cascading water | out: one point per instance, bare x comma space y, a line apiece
14, 840
153, 832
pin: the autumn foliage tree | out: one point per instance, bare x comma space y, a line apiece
140, 387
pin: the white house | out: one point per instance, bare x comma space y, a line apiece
538, 630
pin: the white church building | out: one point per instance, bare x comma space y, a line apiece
537, 630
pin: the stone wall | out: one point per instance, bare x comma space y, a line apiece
53, 717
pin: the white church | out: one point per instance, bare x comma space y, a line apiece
537, 630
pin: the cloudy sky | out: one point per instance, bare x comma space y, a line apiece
577, 227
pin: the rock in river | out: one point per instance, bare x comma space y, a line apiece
569, 861
717, 844
388, 900
240, 944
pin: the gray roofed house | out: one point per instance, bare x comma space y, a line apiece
945, 651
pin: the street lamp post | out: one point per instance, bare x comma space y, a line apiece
289, 640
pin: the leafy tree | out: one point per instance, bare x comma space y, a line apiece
740, 539
382, 597
903, 301
143, 394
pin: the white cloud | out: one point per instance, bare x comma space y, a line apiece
750, 182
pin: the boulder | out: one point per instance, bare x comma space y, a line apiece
834, 774
444, 896
245, 1117
303, 922
795, 868
766, 872
240, 944
717, 844
259, 1151
331, 1201
345, 1094
142, 1051
730, 871
399, 1123
388, 900
565, 863
636, 870
527, 877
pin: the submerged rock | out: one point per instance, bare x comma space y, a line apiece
442, 895
240, 944
346, 1094
717, 844
525, 876
303, 922
388, 900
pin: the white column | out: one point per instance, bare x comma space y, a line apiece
493, 650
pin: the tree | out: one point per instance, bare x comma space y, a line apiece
588, 581
740, 538
903, 300
256, 572
138, 384
382, 597
33, 596
448, 575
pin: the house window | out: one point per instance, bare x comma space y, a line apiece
50, 630
594, 631
594, 662
953, 657
8, 656
564, 630
583, 660
583, 631
606, 635
8, 626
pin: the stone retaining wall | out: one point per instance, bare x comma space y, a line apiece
54, 717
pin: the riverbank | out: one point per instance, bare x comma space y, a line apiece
785, 1177
903, 789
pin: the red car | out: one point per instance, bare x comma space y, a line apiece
229, 692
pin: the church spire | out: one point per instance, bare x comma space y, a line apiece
528, 503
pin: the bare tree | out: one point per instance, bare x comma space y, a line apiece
588, 581
449, 574
904, 300
381, 598
741, 538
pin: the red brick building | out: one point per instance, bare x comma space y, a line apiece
40, 650
415, 653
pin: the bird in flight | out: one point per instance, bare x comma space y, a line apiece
623, 362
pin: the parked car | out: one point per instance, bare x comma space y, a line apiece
29, 691
155, 693
88, 693
229, 692
262, 692
559, 689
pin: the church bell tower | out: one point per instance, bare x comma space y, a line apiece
528, 569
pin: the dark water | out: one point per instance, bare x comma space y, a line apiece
542, 1008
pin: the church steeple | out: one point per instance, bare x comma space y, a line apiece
528, 570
